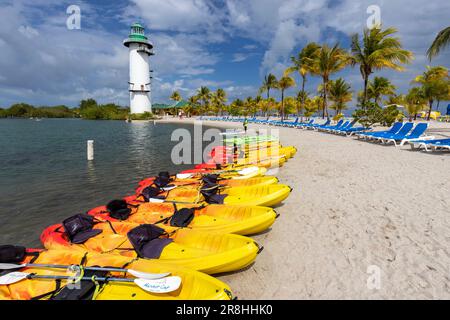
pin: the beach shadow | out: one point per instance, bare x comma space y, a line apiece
260, 233
234, 272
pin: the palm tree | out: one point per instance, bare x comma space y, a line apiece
380, 86
312, 105
440, 42
270, 82
191, 106
204, 95
267, 105
236, 107
284, 83
434, 85
248, 107
302, 96
414, 102
258, 103
219, 97
340, 94
378, 50
175, 96
329, 60
303, 64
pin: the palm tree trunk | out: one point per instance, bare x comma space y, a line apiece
325, 110
303, 95
429, 110
366, 80
282, 105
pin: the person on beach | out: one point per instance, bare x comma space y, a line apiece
245, 124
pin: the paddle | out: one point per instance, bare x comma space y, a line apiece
243, 172
164, 285
137, 274
157, 200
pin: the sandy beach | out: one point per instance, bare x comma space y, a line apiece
356, 207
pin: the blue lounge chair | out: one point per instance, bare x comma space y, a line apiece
355, 130
394, 129
317, 125
326, 126
429, 142
291, 123
441, 144
304, 124
348, 126
404, 130
415, 134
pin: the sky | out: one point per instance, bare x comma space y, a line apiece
229, 44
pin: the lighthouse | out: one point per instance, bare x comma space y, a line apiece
139, 85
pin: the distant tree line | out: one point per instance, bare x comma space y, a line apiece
24, 110
87, 109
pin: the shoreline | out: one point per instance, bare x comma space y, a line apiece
355, 207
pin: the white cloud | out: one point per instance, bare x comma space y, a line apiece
239, 57
175, 15
28, 31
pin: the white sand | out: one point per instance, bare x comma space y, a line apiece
355, 204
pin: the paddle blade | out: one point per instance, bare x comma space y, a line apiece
184, 175
248, 170
168, 188
9, 266
12, 277
148, 276
155, 200
164, 285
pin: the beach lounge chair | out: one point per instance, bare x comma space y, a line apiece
441, 145
415, 134
292, 124
304, 124
348, 126
316, 126
326, 126
356, 130
430, 144
368, 135
404, 130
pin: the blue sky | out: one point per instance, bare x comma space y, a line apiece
230, 44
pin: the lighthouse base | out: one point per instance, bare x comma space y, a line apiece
140, 103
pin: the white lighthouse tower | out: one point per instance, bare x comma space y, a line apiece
139, 85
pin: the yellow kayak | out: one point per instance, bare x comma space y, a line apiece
237, 219
266, 195
228, 172
202, 251
194, 285
192, 181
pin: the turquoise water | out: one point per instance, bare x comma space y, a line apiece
45, 177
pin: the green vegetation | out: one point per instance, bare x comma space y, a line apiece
434, 86
440, 42
24, 110
87, 109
